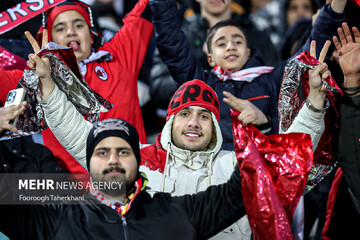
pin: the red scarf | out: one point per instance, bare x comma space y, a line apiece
154, 156
117, 205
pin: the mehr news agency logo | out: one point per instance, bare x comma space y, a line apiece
51, 189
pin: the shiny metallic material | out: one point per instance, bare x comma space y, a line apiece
66, 75
274, 170
31, 79
290, 102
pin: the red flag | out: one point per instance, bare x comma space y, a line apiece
10, 61
274, 171
24, 11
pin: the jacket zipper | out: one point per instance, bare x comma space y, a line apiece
259, 97
126, 233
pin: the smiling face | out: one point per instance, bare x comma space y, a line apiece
192, 129
228, 49
113, 160
71, 30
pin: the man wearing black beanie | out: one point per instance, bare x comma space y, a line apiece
114, 143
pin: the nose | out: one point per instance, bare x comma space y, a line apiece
230, 46
70, 31
114, 159
194, 122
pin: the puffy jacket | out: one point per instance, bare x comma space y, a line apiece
176, 53
115, 80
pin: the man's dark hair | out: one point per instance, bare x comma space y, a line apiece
216, 27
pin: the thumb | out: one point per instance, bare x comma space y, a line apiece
35, 58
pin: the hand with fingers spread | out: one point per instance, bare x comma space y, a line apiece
249, 113
41, 66
317, 94
349, 54
9, 113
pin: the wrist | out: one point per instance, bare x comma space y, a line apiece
317, 98
316, 108
46, 89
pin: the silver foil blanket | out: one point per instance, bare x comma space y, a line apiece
290, 102
66, 75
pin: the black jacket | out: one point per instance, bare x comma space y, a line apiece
22, 155
349, 143
197, 216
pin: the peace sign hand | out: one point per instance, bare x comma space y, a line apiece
40, 65
318, 90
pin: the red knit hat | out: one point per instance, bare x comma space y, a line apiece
51, 14
194, 93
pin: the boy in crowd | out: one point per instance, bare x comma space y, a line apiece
235, 68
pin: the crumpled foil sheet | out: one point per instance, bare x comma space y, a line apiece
290, 103
66, 75
274, 170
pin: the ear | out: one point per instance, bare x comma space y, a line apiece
211, 60
248, 53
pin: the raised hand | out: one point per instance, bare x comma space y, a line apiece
317, 89
349, 54
9, 113
249, 113
40, 65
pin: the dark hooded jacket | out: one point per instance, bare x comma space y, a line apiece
176, 53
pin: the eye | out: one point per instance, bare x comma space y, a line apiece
238, 42
204, 116
184, 114
221, 45
308, 7
102, 153
59, 29
123, 153
293, 8
79, 26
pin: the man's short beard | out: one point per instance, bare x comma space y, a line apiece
106, 180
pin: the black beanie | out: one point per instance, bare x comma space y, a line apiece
112, 127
